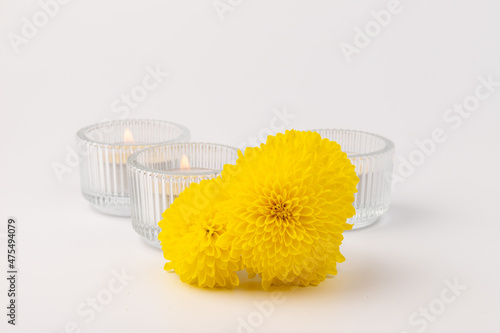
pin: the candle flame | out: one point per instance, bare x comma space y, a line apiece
184, 162
127, 136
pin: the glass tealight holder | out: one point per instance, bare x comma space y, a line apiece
104, 149
373, 157
158, 175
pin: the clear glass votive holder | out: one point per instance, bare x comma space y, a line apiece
104, 149
373, 157
158, 175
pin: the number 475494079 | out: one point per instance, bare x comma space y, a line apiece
11, 247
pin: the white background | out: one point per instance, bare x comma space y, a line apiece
226, 78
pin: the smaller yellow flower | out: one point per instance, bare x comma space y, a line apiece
190, 229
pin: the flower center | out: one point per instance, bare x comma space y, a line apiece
281, 211
210, 231
206, 227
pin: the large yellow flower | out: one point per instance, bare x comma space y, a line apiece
190, 229
288, 201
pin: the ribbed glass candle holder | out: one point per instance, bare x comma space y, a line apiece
159, 174
104, 149
373, 157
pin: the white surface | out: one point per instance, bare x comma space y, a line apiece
226, 77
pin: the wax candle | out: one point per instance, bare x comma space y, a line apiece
159, 174
105, 148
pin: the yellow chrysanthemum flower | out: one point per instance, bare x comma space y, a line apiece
288, 201
190, 229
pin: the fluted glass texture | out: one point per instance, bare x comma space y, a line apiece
104, 149
373, 157
159, 174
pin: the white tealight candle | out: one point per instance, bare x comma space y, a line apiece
160, 174
105, 148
